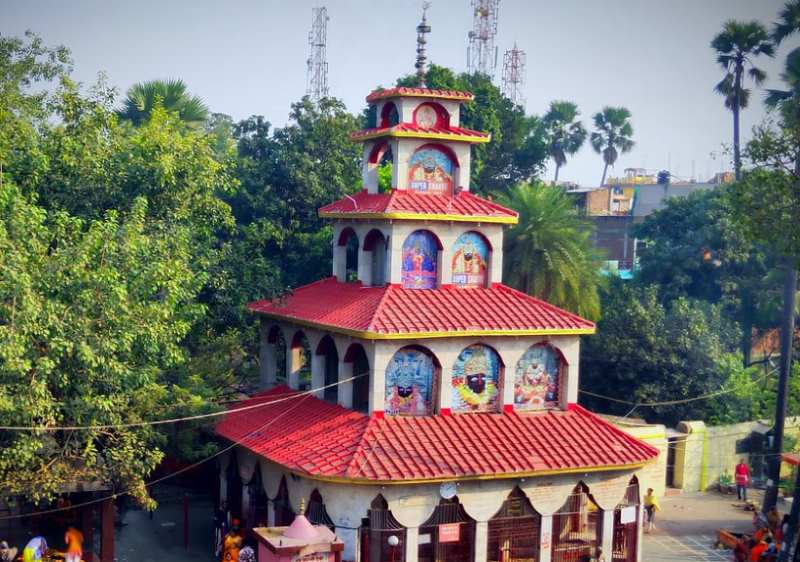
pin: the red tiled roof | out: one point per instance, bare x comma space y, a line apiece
412, 204
391, 312
409, 130
318, 439
419, 92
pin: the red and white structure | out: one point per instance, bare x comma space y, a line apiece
423, 409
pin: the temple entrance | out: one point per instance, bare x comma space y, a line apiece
577, 527
381, 536
316, 512
626, 525
448, 535
514, 531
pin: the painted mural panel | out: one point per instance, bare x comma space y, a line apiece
430, 170
476, 375
409, 383
419, 261
470, 260
536, 380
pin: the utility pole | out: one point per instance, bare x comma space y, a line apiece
514, 62
317, 74
482, 53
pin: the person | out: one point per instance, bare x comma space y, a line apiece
773, 519
7, 554
742, 475
232, 543
650, 507
35, 550
759, 549
74, 539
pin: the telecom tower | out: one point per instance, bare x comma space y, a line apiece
482, 53
514, 75
317, 77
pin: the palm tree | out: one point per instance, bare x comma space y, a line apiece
787, 25
565, 134
736, 45
549, 253
170, 94
613, 135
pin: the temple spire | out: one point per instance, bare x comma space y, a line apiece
422, 60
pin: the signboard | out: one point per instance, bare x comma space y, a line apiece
627, 514
313, 557
450, 532
424, 538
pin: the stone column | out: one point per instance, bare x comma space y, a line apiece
546, 539
481, 540
266, 359
608, 533
317, 373
339, 261
345, 393
365, 266
293, 366
412, 544
270, 513
446, 389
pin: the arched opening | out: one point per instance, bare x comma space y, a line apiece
327, 348
381, 158
283, 507
301, 360
578, 527
449, 534
275, 337
259, 502
358, 357
375, 243
411, 380
233, 497
316, 512
626, 521
477, 373
349, 240
375, 533
420, 260
431, 115
470, 263
389, 115
431, 169
514, 531
538, 378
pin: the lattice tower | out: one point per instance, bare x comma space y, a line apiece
317, 76
482, 53
514, 62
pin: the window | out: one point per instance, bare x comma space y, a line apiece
476, 376
537, 379
410, 382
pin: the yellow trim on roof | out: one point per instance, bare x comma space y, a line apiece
422, 135
430, 335
419, 216
385, 94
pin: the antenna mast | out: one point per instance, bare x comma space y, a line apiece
514, 75
317, 77
422, 59
482, 53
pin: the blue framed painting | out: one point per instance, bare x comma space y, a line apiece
409, 383
430, 170
537, 379
476, 376
470, 262
420, 252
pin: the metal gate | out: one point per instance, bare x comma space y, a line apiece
514, 531
449, 515
626, 535
577, 528
375, 531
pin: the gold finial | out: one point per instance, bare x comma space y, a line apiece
302, 506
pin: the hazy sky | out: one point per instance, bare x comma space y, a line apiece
247, 57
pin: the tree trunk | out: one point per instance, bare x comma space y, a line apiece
555, 180
605, 171
737, 88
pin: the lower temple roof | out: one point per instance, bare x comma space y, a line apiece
328, 442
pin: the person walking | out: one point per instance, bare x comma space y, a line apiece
650, 507
742, 475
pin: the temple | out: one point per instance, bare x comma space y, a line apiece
423, 409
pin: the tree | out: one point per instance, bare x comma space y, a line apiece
518, 149
172, 95
565, 135
549, 253
736, 45
612, 135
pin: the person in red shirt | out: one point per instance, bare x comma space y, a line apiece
742, 475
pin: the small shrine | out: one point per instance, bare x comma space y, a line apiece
299, 542
428, 411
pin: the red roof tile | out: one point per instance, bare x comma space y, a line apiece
419, 92
391, 312
400, 203
312, 437
409, 129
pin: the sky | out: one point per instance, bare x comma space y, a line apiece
246, 57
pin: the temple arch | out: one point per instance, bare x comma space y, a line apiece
471, 256
348, 240
451, 531
330, 366
389, 115
300, 369
420, 260
432, 170
429, 115
375, 244
276, 339
578, 526
539, 377
515, 530
477, 372
284, 515
626, 524
357, 356
412, 376
374, 533
316, 512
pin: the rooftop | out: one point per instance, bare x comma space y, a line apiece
417, 132
329, 442
419, 93
392, 312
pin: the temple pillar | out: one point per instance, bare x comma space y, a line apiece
365, 266
446, 389
608, 533
107, 530
546, 539
294, 363
87, 528
481, 541
266, 359
412, 544
317, 374
270, 513
339, 262
345, 394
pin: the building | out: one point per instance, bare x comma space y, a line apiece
443, 421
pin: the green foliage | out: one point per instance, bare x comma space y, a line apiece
172, 95
736, 45
549, 253
518, 149
612, 135
565, 135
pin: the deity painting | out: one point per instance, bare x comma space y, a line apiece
470, 260
430, 170
420, 252
537, 378
476, 375
409, 383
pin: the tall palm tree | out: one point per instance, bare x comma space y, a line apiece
549, 253
612, 136
788, 24
736, 45
565, 134
172, 94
